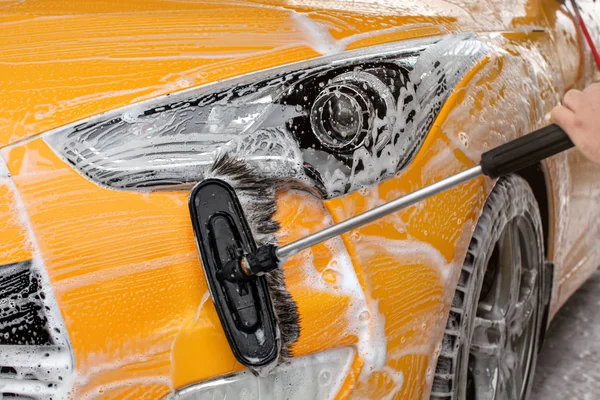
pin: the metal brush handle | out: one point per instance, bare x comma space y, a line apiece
369, 216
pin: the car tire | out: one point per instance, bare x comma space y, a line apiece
489, 348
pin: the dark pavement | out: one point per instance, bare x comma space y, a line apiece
569, 364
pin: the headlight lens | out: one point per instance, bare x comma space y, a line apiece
318, 376
342, 115
343, 121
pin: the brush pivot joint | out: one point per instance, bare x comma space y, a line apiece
234, 270
260, 262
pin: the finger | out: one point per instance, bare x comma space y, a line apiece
572, 99
563, 117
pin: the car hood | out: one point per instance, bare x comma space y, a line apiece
64, 61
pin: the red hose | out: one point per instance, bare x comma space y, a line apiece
588, 38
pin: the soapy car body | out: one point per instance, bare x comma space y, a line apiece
110, 114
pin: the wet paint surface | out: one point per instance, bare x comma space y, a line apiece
124, 266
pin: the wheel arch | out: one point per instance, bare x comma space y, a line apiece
538, 179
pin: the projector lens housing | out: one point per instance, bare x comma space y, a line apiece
341, 116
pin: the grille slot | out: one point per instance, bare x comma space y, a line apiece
22, 315
35, 372
35, 360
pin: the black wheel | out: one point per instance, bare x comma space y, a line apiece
489, 350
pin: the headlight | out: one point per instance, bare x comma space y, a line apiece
318, 376
343, 121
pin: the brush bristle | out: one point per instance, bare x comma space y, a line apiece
257, 194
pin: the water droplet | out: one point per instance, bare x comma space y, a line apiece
330, 276
464, 139
364, 316
324, 377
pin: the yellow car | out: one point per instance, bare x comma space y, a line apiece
111, 111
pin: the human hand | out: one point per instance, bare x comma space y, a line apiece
579, 117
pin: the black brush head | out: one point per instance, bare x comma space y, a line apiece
243, 219
244, 307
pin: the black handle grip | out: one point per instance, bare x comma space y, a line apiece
525, 151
